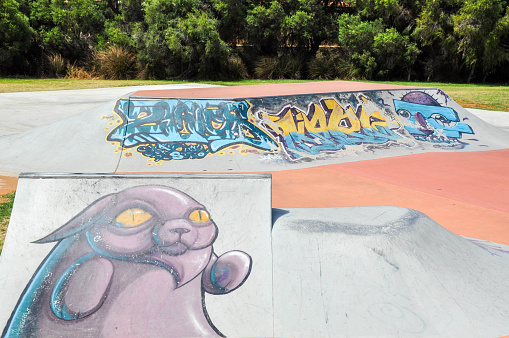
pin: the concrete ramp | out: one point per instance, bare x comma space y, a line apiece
74, 144
251, 128
291, 131
108, 255
138, 256
384, 271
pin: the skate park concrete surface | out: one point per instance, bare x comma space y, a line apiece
391, 220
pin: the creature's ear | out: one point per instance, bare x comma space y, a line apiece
93, 214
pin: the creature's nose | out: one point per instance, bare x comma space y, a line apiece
179, 231
420, 119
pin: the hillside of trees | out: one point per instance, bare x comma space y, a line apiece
427, 40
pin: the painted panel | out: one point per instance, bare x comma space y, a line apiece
290, 128
141, 261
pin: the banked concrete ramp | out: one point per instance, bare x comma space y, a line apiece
224, 129
384, 272
196, 256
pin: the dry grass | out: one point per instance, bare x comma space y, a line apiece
117, 63
78, 73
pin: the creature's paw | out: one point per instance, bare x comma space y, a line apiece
82, 288
228, 272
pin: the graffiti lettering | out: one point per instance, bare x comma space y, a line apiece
327, 127
424, 118
175, 130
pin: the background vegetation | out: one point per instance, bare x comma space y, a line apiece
428, 40
6, 203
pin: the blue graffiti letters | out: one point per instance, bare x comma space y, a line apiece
172, 129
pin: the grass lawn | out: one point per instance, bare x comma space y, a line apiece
490, 97
6, 202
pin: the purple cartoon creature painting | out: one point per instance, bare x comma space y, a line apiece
133, 263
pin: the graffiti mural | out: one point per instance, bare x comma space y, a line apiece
424, 118
137, 262
172, 129
327, 127
287, 128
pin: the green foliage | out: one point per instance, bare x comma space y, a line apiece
69, 28
475, 25
181, 40
264, 27
434, 32
231, 18
329, 64
236, 69
496, 48
376, 51
451, 40
196, 48
15, 37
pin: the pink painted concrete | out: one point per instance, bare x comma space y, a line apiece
237, 92
467, 193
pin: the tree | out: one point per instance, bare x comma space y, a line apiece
180, 39
374, 50
15, 38
264, 27
231, 18
475, 25
69, 28
435, 35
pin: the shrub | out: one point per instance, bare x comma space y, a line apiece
15, 37
284, 67
331, 64
56, 65
117, 63
237, 70
78, 73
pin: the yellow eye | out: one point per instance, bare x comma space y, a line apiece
132, 217
199, 216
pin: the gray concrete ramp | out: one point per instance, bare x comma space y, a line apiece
138, 256
74, 144
383, 271
144, 133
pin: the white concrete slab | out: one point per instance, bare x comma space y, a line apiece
238, 204
383, 272
498, 119
22, 111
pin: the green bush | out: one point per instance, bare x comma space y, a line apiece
236, 69
329, 64
284, 67
181, 40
